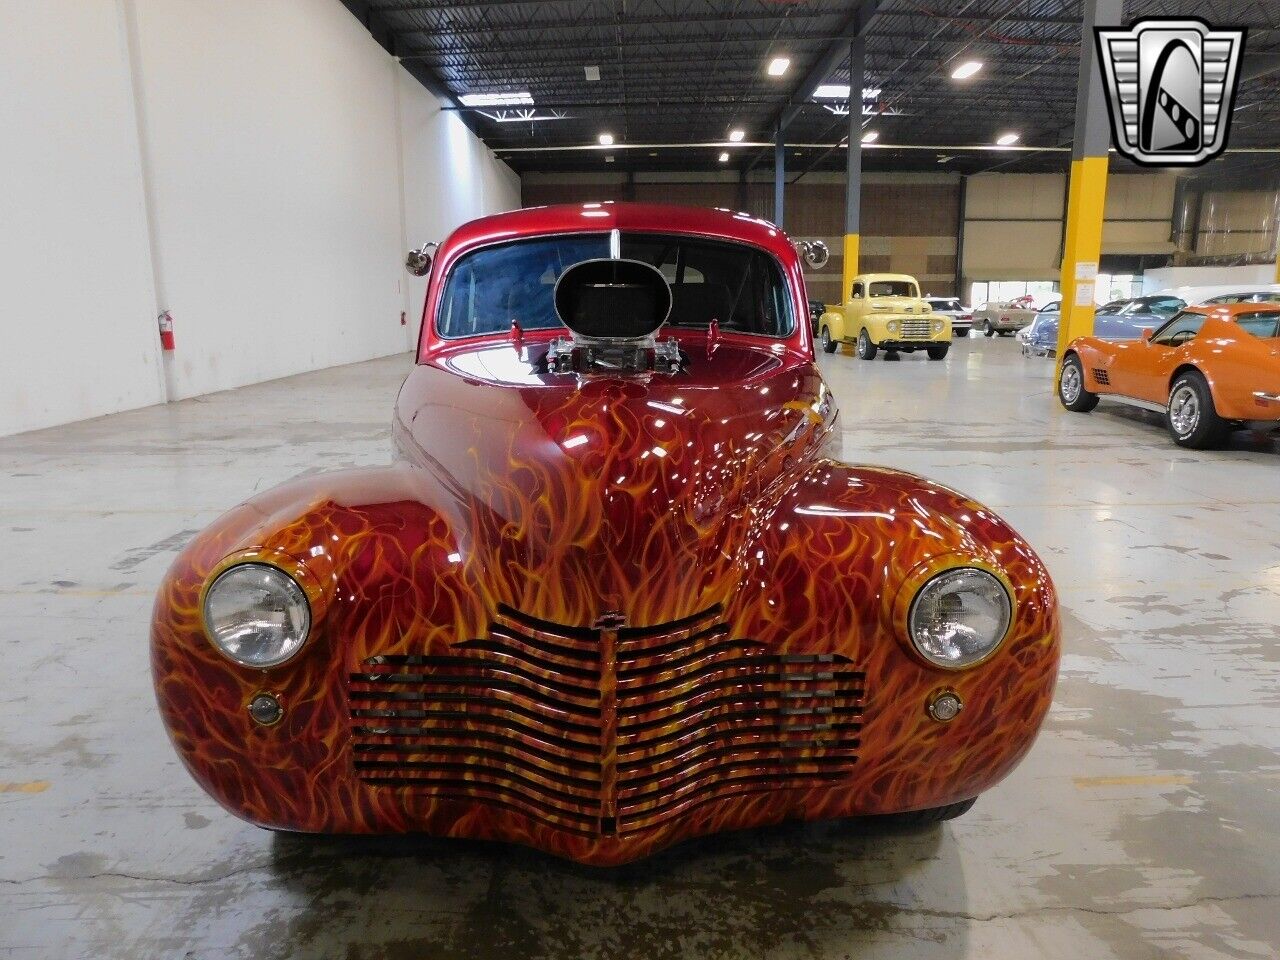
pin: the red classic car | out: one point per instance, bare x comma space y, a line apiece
612, 593
1207, 369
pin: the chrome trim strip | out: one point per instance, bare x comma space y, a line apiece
615, 244
1134, 402
1266, 397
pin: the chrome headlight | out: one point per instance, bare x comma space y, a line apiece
892, 326
257, 615
937, 326
959, 617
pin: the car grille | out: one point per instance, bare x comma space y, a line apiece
1100, 376
915, 329
604, 730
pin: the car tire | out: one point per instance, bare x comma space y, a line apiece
938, 351
1071, 390
866, 349
989, 330
828, 345
921, 818
1190, 415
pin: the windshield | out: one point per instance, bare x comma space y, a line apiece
892, 288
740, 286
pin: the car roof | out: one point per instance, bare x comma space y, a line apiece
1233, 311
609, 215
885, 276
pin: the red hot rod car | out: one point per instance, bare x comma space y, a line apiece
612, 593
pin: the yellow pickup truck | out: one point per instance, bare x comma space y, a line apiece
885, 312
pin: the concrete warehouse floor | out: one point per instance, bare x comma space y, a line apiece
1145, 823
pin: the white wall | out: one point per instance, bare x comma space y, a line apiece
1261, 274
77, 312
255, 168
450, 177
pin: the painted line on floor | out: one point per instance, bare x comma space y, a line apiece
30, 786
1135, 780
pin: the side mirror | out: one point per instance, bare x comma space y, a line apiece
418, 262
1146, 333
815, 252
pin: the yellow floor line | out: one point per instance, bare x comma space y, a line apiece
31, 786
1136, 780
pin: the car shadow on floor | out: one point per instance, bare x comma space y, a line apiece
834, 889
1253, 441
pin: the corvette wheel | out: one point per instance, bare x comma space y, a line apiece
828, 345
1193, 422
1071, 390
866, 349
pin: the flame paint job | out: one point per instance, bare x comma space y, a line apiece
598, 501
1235, 364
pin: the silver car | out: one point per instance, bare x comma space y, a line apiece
961, 316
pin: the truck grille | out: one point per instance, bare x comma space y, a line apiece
915, 329
600, 730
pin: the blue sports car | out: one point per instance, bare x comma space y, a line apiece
1118, 320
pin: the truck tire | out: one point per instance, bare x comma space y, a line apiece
866, 349
938, 351
828, 345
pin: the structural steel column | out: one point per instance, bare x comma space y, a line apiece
779, 173
853, 176
1087, 188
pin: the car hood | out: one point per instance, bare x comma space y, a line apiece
628, 477
896, 305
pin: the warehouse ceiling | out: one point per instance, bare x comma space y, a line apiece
675, 77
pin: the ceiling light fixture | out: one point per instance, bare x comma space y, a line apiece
1007, 139
840, 91
522, 98
724, 156
871, 136
592, 73
606, 139
778, 66
966, 70
737, 136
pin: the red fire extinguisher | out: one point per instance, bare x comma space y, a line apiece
166, 331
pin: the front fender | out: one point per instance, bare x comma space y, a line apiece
846, 550
357, 541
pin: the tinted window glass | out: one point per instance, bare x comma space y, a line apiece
1180, 329
488, 289
892, 288
1165, 306
738, 285
1260, 324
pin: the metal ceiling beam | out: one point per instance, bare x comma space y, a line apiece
596, 23
834, 55
376, 24
643, 43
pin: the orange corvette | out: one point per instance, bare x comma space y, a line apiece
1208, 369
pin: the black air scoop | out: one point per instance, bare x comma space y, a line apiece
613, 299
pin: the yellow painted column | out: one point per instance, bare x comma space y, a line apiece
1087, 184
1086, 200
850, 268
